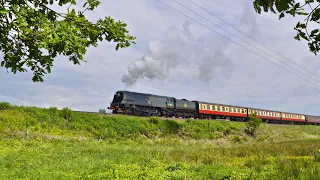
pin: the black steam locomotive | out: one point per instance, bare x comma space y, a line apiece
141, 104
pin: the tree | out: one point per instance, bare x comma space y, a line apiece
253, 124
295, 8
32, 34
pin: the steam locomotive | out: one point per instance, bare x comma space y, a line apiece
142, 104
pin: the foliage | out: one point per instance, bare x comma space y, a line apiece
5, 105
32, 34
253, 124
317, 155
102, 111
66, 113
296, 8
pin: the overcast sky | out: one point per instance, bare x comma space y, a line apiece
177, 57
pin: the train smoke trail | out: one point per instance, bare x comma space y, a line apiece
168, 53
176, 49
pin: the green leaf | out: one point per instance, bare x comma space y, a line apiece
313, 32
281, 15
3, 11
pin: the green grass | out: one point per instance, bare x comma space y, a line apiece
92, 159
37, 143
55, 123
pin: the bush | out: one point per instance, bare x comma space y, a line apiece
252, 124
5, 105
66, 113
102, 111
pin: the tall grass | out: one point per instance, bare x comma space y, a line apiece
57, 159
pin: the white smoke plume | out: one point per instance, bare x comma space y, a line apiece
172, 50
176, 48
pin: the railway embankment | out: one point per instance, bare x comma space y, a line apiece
54, 123
62, 144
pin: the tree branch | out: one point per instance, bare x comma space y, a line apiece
308, 20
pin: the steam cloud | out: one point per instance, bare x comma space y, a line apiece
176, 48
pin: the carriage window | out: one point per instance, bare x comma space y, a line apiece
208, 107
223, 108
213, 108
230, 109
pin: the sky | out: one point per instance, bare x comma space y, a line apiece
175, 56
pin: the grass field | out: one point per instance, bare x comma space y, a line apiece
52, 144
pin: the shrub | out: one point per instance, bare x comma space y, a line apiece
5, 105
252, 124
102, 111
66, 113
